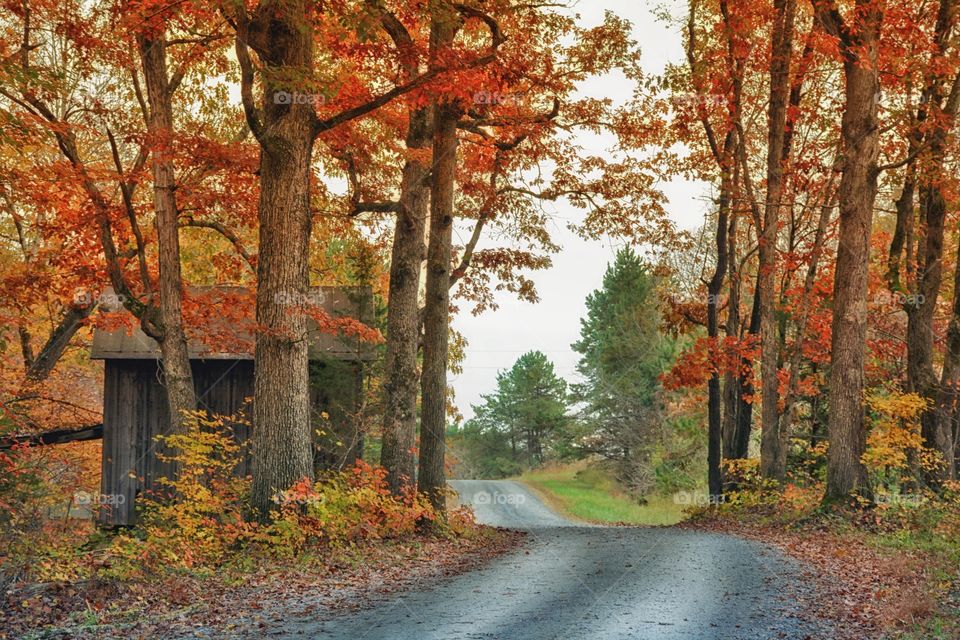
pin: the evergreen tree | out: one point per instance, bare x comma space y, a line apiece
516, 426
623, 354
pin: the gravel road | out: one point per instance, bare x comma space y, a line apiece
571, 581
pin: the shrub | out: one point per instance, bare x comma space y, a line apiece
197, 521
38, 538
346, 508
895, 447
197, 518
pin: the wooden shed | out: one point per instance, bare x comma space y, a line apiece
135, 407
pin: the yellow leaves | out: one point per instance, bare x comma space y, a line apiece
204, 526
894, 440
205, 521
907, 406
742, 470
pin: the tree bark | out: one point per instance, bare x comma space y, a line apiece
846, 474
937, 423
431, 480
402, 381
793, 382
282, 35
732, 387
773, 444
403, 314
921, 307
714, 287
726, 163
175, 357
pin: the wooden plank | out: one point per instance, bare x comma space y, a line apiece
59, 436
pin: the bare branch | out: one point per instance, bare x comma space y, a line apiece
223, 230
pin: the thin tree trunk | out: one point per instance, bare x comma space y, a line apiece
846, 474
177, 375
947, 405
403, 321
714, 287
810, 279
732, 388
947, 438
431, 479
773, 454
725, 159
742, 438
921, 308
935, 423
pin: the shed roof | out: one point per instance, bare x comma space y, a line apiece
221, 335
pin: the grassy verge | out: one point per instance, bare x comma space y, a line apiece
592, 495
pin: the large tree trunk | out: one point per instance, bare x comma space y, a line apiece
773, 453
177, 375
431, 479
282, 35
920, 310
846, 474
403, 313
937, 424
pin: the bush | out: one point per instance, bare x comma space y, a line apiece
896, 456
197, 518
346, 508
198, 522
38, 539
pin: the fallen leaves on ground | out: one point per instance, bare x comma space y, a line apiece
864, 591
244, 603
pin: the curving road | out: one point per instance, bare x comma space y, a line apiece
572, 581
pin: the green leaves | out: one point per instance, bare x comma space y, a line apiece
522, 423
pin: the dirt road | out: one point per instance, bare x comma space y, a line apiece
574, 581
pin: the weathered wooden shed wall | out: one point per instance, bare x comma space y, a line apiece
134, 411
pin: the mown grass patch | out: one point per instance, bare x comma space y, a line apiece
591, 494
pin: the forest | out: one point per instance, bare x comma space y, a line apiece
236, 237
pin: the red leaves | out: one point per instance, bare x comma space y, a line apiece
709, 356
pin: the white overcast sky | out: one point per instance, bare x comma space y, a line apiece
497, 338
